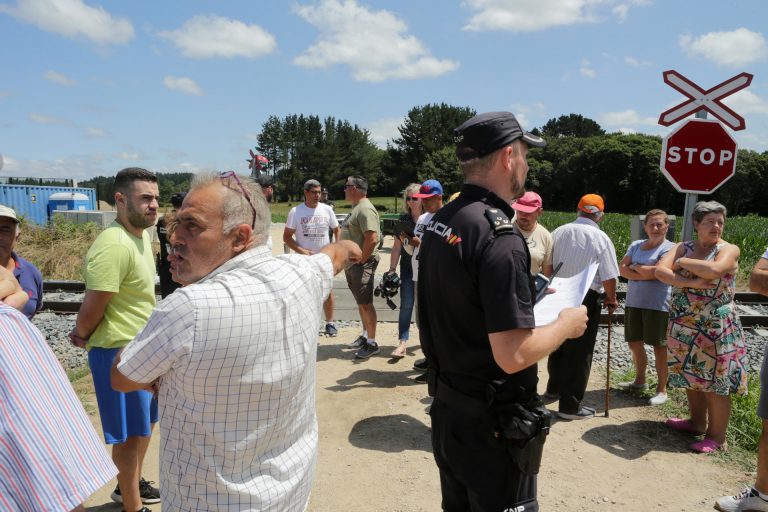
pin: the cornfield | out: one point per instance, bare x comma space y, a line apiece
750, 233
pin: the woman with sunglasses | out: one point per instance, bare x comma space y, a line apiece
401, 251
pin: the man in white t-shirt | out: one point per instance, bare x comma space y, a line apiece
431, 195
312, 223
527, 210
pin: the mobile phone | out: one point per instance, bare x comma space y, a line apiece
541, 285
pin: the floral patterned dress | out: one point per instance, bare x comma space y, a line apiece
706, 347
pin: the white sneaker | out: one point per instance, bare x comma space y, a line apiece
748, 500
659, 399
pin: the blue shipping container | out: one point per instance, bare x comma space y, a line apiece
31, 202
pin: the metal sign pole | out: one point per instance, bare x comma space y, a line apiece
690, 201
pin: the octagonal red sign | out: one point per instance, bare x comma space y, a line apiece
698, 156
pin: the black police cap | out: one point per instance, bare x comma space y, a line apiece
265, 180
485, 133
178, 198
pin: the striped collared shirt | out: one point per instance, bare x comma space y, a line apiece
50, 456
581, 243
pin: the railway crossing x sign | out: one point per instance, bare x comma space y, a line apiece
708, 100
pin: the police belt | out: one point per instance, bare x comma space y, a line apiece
456, 399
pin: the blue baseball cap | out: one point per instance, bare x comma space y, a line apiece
429, 188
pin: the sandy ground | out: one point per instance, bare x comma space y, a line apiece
375, 452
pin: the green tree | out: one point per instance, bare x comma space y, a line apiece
426, 130
572, 125
443, 166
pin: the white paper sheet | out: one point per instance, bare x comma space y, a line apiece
569, 293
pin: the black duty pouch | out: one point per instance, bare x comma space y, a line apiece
522, 426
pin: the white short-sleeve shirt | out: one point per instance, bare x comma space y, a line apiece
312, 225
236, 356
581, 243
418, 232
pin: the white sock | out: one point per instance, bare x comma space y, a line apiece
365, 334
330, 322
371, 341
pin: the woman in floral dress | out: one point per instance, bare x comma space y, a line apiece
705, 342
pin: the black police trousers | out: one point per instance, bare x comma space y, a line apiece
477, 474
569, 366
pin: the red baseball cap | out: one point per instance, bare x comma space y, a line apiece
528, 203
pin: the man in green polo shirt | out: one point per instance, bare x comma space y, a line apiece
119, 297
362, 227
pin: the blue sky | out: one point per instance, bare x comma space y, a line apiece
88, 87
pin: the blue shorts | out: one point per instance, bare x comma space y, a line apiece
123, 415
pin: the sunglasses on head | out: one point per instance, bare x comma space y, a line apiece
225, 179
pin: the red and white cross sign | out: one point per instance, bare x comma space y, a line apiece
708, 100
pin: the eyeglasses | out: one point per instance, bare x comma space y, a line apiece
225, 177
411, 198
349, 186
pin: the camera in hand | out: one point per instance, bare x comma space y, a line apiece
387, 288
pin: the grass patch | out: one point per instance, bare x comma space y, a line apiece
82, 383
58, 250
743, 429
749, 233
77, 374
382, 205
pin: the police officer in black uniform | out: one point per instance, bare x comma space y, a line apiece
478, 331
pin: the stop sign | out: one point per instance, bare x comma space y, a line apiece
698, 156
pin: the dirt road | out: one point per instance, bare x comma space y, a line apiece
375, 450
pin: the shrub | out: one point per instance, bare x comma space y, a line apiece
59, 249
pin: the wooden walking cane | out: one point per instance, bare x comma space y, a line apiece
608, 367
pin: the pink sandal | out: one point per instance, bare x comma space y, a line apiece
708, 446
682, 425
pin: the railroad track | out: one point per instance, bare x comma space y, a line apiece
745, 301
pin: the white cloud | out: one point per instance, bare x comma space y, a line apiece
58, 78
9, 164
586, 69
523, 112
624, 118
78, 167
535, 15
72, 18
131, 156
49, 120
214, 36
635, 63
746, 102
95, 133
375, 44
182, 84
622, 10
384, 130
736, 48
754, 141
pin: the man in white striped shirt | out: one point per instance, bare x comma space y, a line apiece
577, 245
233, 356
